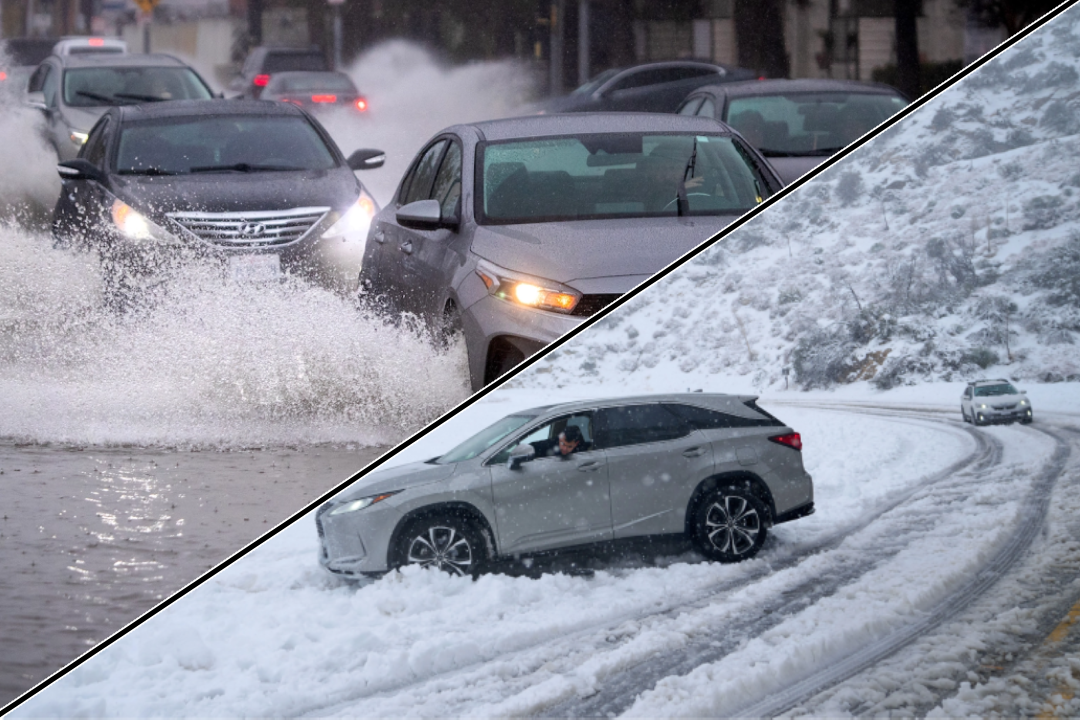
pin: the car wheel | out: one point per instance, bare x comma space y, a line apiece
449, 328
963, 414
1026, 420
502, 358
448, 543
729, 524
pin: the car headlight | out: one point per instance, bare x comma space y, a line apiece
132, 224
982, 406
354, 224
361, 503
527, 291
78, 138
1023, 402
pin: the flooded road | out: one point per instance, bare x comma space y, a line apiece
92, 537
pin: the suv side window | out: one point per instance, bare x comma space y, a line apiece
418, 183
707, 109
638, 424
37, 80
447, 188
50, 86
967, 392
550, 431
94, 150
703, 419
690, 107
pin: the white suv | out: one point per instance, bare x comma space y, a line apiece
987, 401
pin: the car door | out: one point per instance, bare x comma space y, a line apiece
429, 258
551, 502
83, 201
655, 460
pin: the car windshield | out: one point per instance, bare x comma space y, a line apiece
221, 143
305, 82
94, 87
484, 439
992, 390
798, 124
618, 175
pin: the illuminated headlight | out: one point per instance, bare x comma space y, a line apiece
982, 406
361, 503
78, 138
1023, 402
354, 224
530, 292
133, 225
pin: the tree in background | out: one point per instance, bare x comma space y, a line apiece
759, 35
1013, 15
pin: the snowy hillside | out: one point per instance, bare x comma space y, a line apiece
946, 249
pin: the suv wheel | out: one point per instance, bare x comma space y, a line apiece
963, 414
445, 542
729, 524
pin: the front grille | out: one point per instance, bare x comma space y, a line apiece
592, 304
1005, 407
251, 229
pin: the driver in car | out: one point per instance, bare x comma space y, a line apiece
569, 442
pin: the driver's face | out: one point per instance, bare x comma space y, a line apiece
566, 447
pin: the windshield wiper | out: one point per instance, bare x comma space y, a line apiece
802, 153
142, 98
103, 98
149, 171
683, 203
243, 167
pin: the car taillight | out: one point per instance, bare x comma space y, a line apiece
3, 75
260, 80
361, 104
294, 101
96, 42
324, 98
792, 440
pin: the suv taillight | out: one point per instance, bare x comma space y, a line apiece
792, 440
260, 80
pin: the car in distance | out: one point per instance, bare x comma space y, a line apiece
82, 45
73, 91
315, 91
989, 401
263, 62
716, 469
797, 124
514, 231
260, 187
652, 87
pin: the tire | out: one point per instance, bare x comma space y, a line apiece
730, 524
450, 543
449, 328
963, 414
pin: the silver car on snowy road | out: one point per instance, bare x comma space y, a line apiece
716, 469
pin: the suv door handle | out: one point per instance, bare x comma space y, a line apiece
589, 466
406, 247
694, 452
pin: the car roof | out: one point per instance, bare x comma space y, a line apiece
193, 108
691, 398
989, 382
751, 88
81, 60
582, 123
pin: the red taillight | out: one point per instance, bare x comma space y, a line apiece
3, 75
361, 104
260, 80
96, 42
324, 98
792, 440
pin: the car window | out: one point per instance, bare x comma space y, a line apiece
704, 419
447, 187
37, 80
419, 180
809, 123
484, 439
94, 150
994, 390
225, 143
545, 437
690, 106
707, 109
283, 62
50, 86
301, 82
95, 87
657, 76
638, 424
590, 177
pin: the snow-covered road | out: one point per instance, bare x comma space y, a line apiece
940, 558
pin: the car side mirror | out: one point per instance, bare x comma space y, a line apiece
423, 215
36, 100
79, 169
521, 454
366, 159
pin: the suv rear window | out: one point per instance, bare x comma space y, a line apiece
284, 61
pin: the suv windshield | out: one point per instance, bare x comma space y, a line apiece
94, 87
484, 439
809, 123
991, 390
629, 175
223, 143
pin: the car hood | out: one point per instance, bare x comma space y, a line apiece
396, 478
586, 250
82, 119
791, 169
237, 191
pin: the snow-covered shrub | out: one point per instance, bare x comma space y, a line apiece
1055, 75
943, 119
1019, 137
983, 357
1060, 118
822, 357
1044, 211
1011, 170
1020, 57
850, 188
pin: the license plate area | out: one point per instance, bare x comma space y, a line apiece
255, 268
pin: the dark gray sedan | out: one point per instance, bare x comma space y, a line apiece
514, 231
716, 469
797, 124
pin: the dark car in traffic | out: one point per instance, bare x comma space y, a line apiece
652, 87
258, 187
263, 62
797, 124
514, 231
74, 90
714, 469
315, 91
